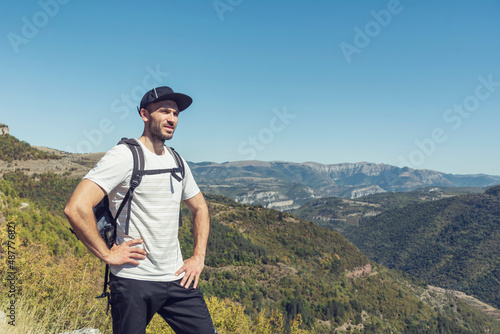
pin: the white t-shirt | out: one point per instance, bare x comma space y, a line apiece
154, 216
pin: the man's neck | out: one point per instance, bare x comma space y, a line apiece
155, 146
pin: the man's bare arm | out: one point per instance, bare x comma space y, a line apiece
79, 212
201, 228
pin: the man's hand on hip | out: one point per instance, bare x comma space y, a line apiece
125, 253
192, 268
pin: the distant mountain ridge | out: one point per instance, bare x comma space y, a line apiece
276, 184
286, 185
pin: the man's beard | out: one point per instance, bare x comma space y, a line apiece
156, 132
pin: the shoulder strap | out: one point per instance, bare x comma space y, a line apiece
177, 158
138, 172
135, 179
180, 167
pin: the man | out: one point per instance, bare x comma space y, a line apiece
148, 274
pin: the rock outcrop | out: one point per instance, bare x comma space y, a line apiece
4, 130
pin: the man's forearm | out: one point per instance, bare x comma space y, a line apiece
83, 223
79, 212
81, 217
201, 230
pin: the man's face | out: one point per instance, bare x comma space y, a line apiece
163, 116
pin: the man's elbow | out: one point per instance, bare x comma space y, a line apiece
73, 211
200, 208
69, 212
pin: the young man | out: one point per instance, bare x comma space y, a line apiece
148, 274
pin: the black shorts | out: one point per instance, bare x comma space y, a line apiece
134, 303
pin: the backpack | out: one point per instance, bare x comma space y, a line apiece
106, 223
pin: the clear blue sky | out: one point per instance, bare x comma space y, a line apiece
412, 83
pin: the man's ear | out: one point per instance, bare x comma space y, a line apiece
144, 115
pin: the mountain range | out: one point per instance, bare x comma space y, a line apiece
281, 185
286, 185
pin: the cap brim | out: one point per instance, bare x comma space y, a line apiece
182, 100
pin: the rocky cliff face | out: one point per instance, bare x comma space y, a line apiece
4, 130
360, 192
270, 200
347, 169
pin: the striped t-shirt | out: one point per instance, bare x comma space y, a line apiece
154, 214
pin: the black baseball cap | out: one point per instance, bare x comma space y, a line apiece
165, 93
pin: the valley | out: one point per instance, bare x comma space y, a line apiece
269, 248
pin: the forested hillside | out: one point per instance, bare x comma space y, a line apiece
267, 260
12, 149
53, 280
452, 243
338, 213
266, 272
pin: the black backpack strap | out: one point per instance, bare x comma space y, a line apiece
163, 171
135, 180
179, 169
178, 160
105, 293
138, 172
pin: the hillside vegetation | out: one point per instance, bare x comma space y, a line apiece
452, 243
338, 213
12, 149
266, 272
50, 287
264, 260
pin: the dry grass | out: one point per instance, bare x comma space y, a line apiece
51, 294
